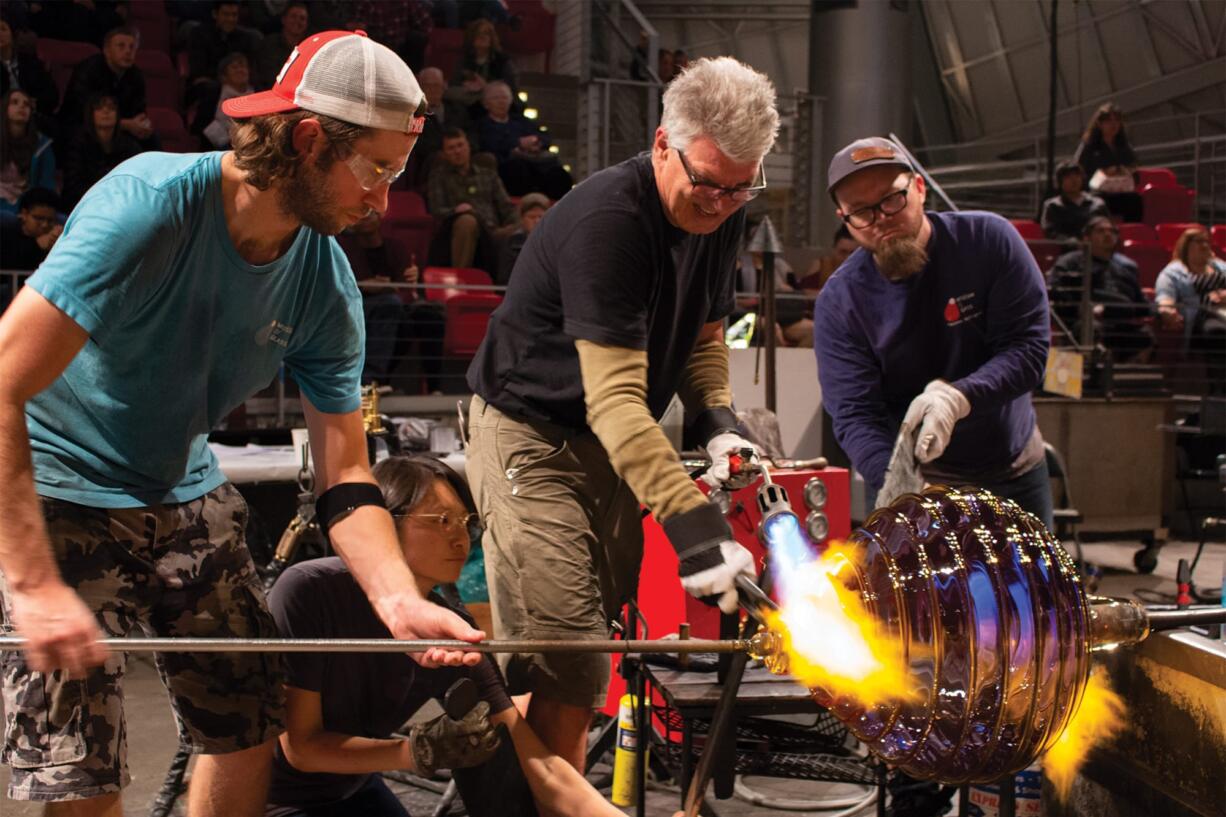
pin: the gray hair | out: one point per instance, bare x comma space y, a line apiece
727, 101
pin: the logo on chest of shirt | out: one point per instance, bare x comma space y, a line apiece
961, 309
275, 332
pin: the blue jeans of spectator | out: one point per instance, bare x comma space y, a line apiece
374, 799
384, 313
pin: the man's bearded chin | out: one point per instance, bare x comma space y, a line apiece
900, 258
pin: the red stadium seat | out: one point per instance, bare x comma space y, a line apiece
1218, 234
1045, 253
161, 79
170, 129
444, 50
1149, 256
468, 316
405, 203
1028, 229
441, 282
61, 56
1156, 177
1168, 234
1132, 231
1166, 204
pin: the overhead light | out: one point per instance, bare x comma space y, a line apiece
530, 113
566, 168
523, 96
544, 128
553, 149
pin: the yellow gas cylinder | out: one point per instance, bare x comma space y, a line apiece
626, 752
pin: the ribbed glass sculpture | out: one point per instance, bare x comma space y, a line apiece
996, 629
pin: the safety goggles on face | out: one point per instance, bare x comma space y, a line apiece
888, 206
370, 174
470, 523
713, 192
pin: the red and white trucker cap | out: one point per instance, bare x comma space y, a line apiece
345, 75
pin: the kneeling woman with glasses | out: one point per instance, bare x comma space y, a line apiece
343, 708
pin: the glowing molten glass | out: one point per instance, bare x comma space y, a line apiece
971, 610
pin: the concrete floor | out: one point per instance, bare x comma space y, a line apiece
152, 735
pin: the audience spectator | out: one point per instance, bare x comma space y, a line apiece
1065, 215
681, 61
842, 245
27, 239
1109, 162
482, 62
520, 146
212, 124
531, 209
403, 26
1191, 293
471, 205
444, 114
25, 72
1118, 303
98, 147
666, 66
793, 314
26, 158
84, 21
210, 42
392, 314
494, 11
112, 73
275, 48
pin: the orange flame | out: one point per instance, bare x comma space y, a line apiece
1098, 719
831, 640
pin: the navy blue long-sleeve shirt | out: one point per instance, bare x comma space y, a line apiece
975, 316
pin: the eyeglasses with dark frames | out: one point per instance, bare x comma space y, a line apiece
889, 205
469, 522
713, 192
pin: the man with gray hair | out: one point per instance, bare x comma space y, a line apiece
615, 304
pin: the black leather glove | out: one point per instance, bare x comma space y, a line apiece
710, 557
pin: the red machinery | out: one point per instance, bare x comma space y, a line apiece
665, 605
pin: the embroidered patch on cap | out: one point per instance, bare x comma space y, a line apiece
868, 154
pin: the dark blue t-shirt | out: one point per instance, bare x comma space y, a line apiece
365, 694
604, 265
975, 316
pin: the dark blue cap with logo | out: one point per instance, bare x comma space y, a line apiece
863, 153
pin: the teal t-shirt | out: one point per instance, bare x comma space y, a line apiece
181, 331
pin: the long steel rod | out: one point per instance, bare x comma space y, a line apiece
1171, 619
373, 645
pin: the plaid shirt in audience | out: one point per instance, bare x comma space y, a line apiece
480, 187
390, 23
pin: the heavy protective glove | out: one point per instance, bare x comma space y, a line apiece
934, 412
446, 743
710, 558
719, 449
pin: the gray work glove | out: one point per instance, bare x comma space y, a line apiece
934, 412
445, 743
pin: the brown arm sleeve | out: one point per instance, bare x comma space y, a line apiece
704, 385
615, 391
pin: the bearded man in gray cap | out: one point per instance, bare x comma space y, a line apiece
179, 286
932, 334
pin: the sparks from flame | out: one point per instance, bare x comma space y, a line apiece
1099, 718
831, 640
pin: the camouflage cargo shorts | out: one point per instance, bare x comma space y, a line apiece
172, 570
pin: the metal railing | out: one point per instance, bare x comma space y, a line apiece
1010, 177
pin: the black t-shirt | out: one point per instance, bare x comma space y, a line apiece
603, 265
364, 694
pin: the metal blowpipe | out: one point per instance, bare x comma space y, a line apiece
759, 646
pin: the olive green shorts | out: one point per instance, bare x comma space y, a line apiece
563, 544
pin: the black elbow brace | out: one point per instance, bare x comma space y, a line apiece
344, 498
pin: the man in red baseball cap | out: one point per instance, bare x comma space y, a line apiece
180, 286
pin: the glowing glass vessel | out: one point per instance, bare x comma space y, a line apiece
997, 631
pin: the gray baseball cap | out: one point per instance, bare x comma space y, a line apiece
863, 153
